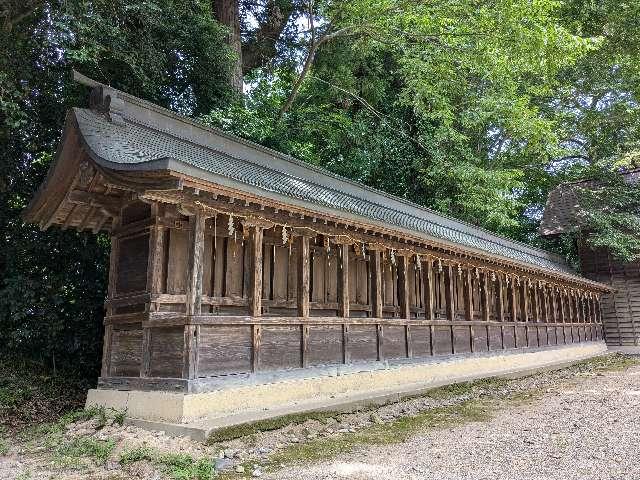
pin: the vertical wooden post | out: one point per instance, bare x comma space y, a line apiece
524, 302
554, 304
111, 292
535, 304
256, 233
499, 299
194, 292
343, 280
303, 275
449, 297
467, 290
499, 295
376, 267
449, 300
513, 300
570, 314
195, 264
544, 304
106, 351
255, 340
561, 308
403, 286
427, 289
484, 296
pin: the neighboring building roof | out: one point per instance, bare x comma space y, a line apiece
563, 212
133, 134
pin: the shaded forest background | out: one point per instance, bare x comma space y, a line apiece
475, 108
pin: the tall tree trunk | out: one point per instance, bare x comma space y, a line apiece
228, 14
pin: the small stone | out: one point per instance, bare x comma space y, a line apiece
111, 465
294, 440
223, 464
239, 469
352, 430
256, 473
343, 430
264, 450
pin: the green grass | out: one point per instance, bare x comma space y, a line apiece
86, 448
176, 465
245, 430
4, 446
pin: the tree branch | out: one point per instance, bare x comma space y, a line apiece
314, 45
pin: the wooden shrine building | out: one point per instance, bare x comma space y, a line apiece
621, 306
231, 261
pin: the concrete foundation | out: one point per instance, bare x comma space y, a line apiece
196, 415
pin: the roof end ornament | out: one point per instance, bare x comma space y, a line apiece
103, 99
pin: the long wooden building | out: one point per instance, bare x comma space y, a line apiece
232, 263
621, 306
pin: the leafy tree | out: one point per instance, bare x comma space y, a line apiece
53, 283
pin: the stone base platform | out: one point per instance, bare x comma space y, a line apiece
341, 388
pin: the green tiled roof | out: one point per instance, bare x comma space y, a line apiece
137, 135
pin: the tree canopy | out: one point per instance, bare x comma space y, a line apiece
473, 108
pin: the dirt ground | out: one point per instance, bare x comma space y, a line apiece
588, 429
582, 422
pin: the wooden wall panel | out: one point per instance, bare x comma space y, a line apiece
224, 349
420, 341
234, 271
509, 337
362, 279
331, 276
552, 338
165, 352
543, 336
280, 347
280, 273
324, 345
442, 340
318, 274
395, 341
132, 264
532, 336
126, 352
495, 338
363, 343
462, 339
521, 336
480, 339
177, 261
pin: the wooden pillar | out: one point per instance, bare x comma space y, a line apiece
569, 303
554, 304
449, 300
499, 298
254, 253
484, 296
376, 272
561, 307
303, 275
467, 293
524, 301
403, 286
449, 297
343, 280
111, 292
544, 304
195, 263
194, 292
513, 300
427, 289
535, 304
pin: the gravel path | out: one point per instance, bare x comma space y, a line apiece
582, 430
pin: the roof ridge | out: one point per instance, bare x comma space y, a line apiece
230, 136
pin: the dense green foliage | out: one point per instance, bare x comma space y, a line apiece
475, 109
